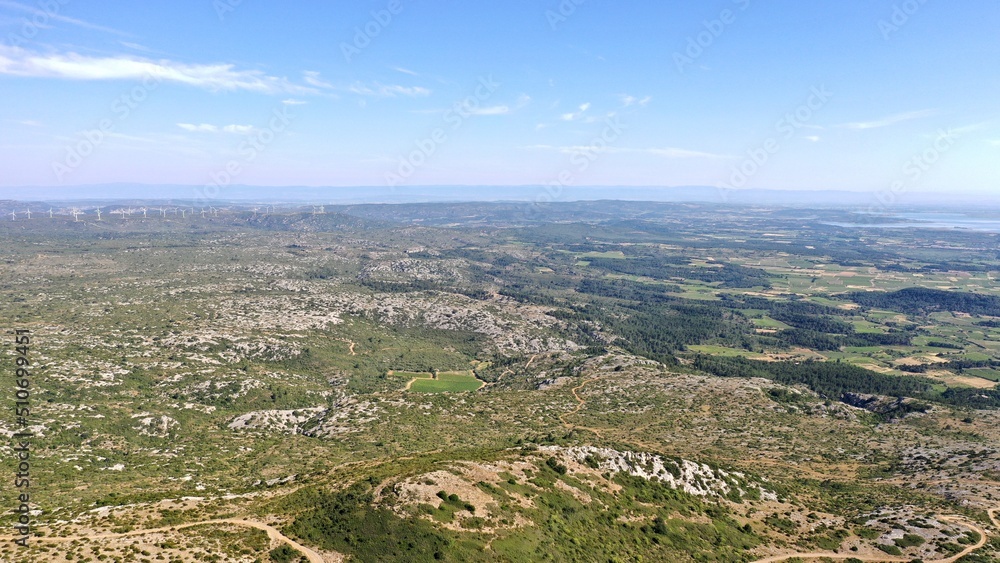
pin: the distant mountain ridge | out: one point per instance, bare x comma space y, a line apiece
541, 194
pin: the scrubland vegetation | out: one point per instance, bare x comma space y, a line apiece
476, 382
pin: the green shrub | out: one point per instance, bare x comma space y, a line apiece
910, 540
890, 549
285, 554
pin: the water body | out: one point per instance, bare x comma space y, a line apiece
927, 220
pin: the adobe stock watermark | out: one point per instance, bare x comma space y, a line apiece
46, 11
785, 128
364, 35
89, 141
225, 7
901, 14
561, 14
581, 159
255, 143
454, 118
913, 171
713, 30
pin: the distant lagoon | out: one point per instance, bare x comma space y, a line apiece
927, 220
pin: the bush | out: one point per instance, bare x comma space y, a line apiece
890, 549
285, 554
554, 465
910, 540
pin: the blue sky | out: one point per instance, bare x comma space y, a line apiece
861, 95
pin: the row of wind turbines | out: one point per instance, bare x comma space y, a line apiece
183, 212
125, 212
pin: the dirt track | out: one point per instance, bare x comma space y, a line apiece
271, 531
888, 559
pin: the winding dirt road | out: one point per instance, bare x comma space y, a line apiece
983, 536
887, 559
580, 402
351, 342
271, 531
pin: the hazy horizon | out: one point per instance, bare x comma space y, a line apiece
884, 201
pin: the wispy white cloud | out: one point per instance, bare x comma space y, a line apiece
597, 118
312, 78
492, 110
968, 128
72, 66
202, 128
294, 102
628, 100
502, 109
889, 120
129, 138
577, 114
239, 129
813, 138
671, 152
135, 46
209, 128
39, 17
522, 101
667, 152
388, 90
404, 71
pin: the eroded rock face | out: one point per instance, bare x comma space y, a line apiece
691, 477
890, 407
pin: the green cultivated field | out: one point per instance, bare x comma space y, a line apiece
448, 382
413, 374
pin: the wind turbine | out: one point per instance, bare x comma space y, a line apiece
76, 215
13, 216
183, 213
28, 213
202, 212
144, 216
98, 213
255, 209
163, 211
50, 213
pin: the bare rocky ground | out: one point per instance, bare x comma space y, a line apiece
230, 375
